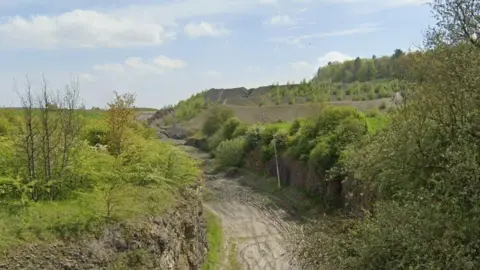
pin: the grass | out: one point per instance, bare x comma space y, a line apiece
232, 260
53, 220
281, 125
215, 242
376, 123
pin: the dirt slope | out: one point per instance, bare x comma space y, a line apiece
268, 114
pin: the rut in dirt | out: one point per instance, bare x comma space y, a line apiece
258, 227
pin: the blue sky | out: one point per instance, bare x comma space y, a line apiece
166, 50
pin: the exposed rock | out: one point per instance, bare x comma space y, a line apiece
176, 240
199, 143
297, 174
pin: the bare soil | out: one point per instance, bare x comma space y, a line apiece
253, 223
270, 114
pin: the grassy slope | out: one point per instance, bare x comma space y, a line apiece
26, 222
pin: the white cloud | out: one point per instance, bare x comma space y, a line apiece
130, 26
333, 56
157, 65
298, 40
279, 20
214, 73
165, 62
80, 29
137, 64
204, 29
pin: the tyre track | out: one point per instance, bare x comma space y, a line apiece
249, 219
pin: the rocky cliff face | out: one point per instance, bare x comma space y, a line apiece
176, 240
297, 174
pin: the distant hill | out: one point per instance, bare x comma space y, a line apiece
357, 80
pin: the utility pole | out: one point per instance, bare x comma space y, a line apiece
274, 142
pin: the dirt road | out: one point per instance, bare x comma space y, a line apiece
254, 226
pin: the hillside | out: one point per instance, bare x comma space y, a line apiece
362, 83
94, 189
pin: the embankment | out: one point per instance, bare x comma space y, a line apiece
175, 240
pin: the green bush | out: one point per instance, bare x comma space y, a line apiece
216, 117
229, 128
253, 137
230, 153
96, 134
214, 140
382, 106
372, 112
266, 135
267, 152
295, 127
241, 130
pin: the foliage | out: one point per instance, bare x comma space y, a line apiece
230, 153
361, 70
253, 137
120, 115
191, 107
215, 242
85, 185
420, 171
240, 130
216, 117
228, 129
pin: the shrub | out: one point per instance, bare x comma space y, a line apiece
96, 134
267, 152
214, 140
241, 130
382, 106
281, 139
230, 153
229, 128
295, 127
373, 112
216, 117
266, 135
252, 137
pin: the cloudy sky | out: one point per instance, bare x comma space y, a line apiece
166, 50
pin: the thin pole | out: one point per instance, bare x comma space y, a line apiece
276, 161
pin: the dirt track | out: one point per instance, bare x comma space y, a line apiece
252, 223
257, 230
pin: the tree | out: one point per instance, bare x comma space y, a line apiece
457, 23
371, 70
120, 115
48, 137
397, 54
420, 173
357, 64
362, 73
